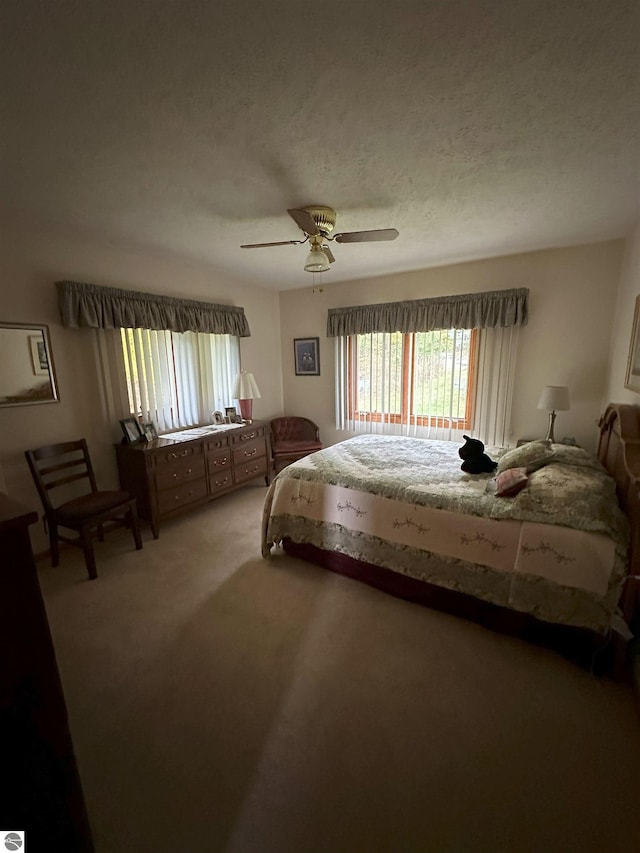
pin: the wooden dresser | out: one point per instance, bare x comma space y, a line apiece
40, 792
184, 469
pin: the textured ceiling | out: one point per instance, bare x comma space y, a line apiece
476, 128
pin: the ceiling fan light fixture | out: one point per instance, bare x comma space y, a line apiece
316, 261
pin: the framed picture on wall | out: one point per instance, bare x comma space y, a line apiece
307, 356
632, 380
39, 358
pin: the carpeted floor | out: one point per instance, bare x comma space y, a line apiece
221, 702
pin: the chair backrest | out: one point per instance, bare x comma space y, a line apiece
294, 429
58, 465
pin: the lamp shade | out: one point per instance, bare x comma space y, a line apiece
245, 388
316, 261
554, 398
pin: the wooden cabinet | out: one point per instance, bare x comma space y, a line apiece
184, 469
41, 794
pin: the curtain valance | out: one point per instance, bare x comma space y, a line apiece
466, 311
113, 308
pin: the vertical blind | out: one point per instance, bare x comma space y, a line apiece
385, 394
174, 380
178, 380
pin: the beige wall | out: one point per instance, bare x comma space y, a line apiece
571, 309
623, 320
30, 264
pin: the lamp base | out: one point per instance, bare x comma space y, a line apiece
246, 410
549, 436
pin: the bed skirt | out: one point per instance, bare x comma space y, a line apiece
580, 645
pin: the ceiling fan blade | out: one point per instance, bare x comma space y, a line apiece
263, 245
304, 221
366, 236
329, 254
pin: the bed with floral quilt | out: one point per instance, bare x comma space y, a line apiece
558, 547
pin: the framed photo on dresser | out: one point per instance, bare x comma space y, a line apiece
150, 431
131, 429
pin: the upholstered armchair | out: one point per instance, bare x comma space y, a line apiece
291, 439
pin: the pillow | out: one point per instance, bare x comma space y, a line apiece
532, 455
510, 482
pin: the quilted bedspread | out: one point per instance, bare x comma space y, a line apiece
398, 501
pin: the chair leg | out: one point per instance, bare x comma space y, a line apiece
89, 556
132, 517
54, 543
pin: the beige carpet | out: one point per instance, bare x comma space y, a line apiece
220, 702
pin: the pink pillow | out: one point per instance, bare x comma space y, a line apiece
510, 482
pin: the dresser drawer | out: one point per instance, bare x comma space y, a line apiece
168, 476
219, 460
220, 481
177, 454
246, 435
249, 451
187, 493
249, 470
216, 443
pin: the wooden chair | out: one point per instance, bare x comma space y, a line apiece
60, 464
291, 439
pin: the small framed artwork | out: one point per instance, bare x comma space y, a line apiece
632, 379
307, 356
230, 415
132, 430
39, 359
218, 418
150, 431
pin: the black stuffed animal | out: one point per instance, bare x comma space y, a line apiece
475, 459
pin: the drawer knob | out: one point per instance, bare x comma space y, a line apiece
251, 452
248, 436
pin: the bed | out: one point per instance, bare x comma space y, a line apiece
398, 513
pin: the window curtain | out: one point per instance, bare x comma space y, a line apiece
498, 315
499, 308
89, 305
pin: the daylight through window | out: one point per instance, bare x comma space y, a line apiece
178, 379
426, 378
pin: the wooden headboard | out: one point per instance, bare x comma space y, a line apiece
619, 452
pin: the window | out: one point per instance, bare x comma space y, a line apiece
424, 378
435, 384
429, 367
177, 379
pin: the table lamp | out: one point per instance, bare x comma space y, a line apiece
553, 398
245, 391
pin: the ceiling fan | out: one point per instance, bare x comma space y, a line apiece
317, 223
